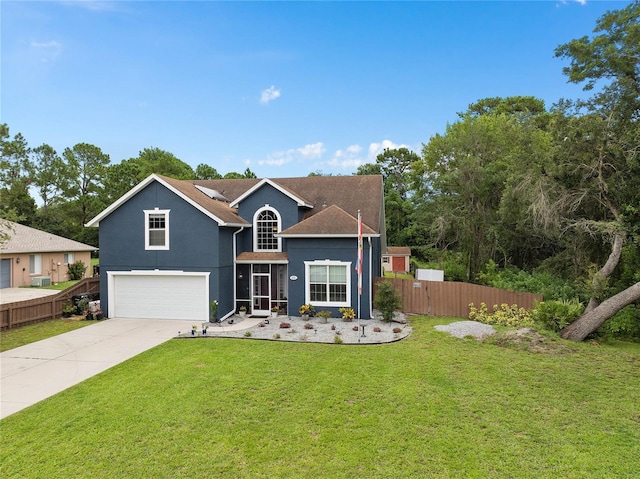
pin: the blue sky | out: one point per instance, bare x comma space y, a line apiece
284, 88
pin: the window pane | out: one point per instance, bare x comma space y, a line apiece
318, 292
156, 237
318, 274
338, 292
156, 221
266, 226
337, 274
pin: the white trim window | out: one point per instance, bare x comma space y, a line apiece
156, 229
266, 223
328, 283
68, 258
35, 264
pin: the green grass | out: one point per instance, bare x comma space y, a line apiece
61, 286
430, 406
12, 338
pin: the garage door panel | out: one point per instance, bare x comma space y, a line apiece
160, 296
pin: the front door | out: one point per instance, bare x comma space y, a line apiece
261, 293
269, 288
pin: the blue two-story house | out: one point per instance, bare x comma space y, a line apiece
169, 247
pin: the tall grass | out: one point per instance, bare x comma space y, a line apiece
428, 406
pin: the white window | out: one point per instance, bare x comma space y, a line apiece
328, 283
156, 229
35, 264
266, 223
68, 258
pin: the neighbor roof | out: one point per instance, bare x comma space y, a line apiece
24, 239
398, 251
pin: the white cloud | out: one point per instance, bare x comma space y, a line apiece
47, 51
307, 152
347, 159
376, 149
269, 95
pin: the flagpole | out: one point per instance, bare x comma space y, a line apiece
359, 270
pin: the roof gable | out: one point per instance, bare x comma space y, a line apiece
266, 181
331, 221
24, 239
219, 211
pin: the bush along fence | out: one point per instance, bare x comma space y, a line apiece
447, 298
43, 309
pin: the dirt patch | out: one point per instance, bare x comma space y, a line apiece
528, 339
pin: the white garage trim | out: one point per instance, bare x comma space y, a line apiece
157, 294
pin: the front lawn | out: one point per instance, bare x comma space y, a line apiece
12, 338
428, 406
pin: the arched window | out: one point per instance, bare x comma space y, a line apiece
266, 223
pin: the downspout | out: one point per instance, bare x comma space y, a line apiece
370, 280
235, 272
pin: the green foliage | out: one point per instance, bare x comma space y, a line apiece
556, 315
550, 286
624, 325
503, 315
387, 300
77, 270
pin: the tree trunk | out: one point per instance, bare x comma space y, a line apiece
606, 270
592, 320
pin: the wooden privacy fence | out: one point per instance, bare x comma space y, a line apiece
446, 298
43, 309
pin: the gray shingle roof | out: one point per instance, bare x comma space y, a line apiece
24, 239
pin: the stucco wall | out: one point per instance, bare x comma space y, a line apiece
53, 266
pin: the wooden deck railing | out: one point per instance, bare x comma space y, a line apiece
43, 309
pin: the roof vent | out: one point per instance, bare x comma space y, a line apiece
212, 193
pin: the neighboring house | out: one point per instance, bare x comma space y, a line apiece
169, 247
397, 259
31, 257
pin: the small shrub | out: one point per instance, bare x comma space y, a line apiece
337, 339
387, 300
348, 314
625, 324
333, 327
503, 315
304, 337
377, 329
77, 270
247, 334
355, 328
556, 315
261, 324
276, 336
308, 326
285, 325
397, 330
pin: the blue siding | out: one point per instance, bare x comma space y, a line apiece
335, 249
266, 195
196, 243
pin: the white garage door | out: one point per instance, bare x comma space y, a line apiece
158, 295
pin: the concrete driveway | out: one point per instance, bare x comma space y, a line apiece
12, 295
34, 372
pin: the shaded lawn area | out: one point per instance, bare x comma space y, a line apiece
428, 406
13, 338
